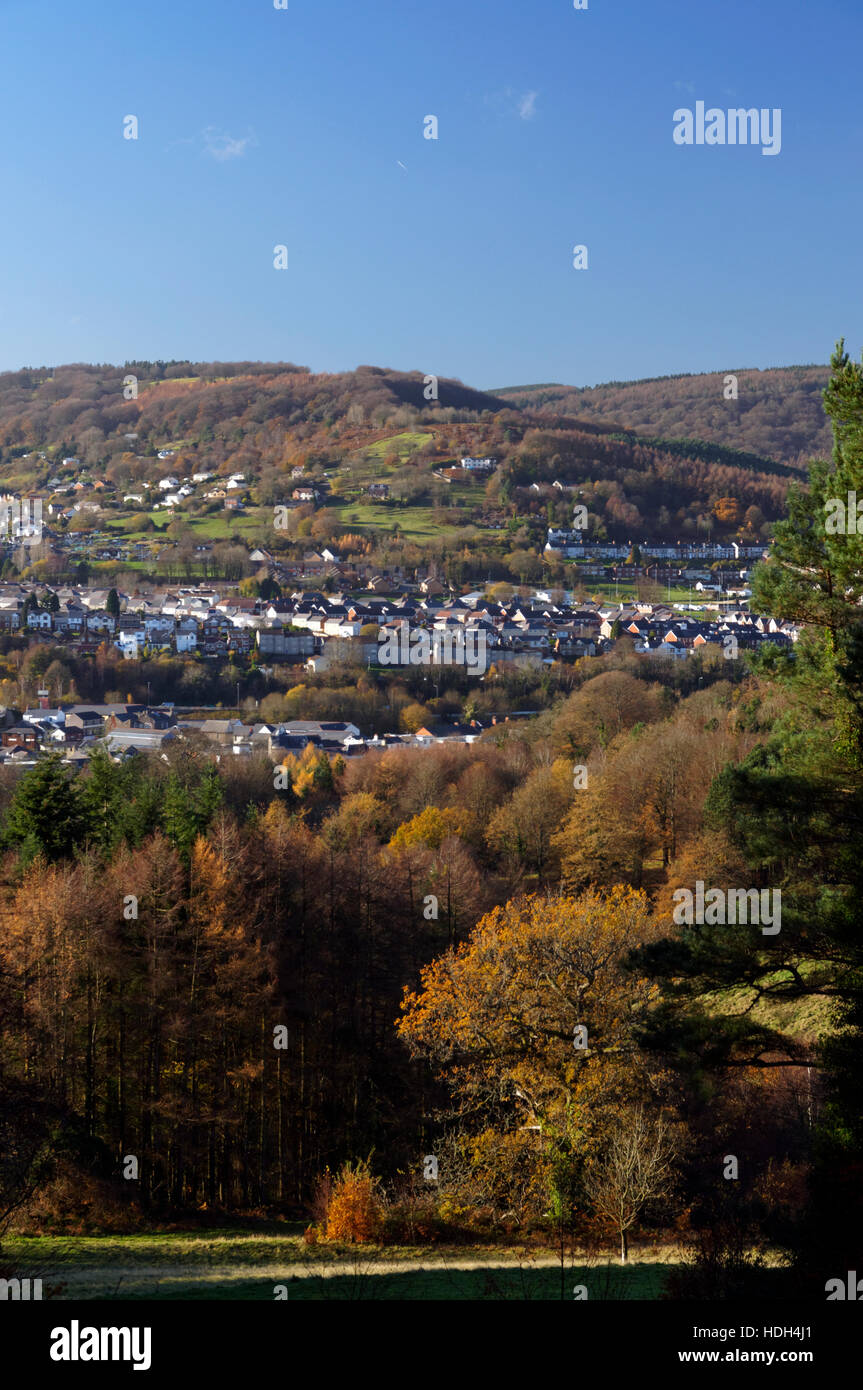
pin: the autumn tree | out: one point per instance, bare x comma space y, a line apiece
430, 827
531, 1021
605, 706
522, 830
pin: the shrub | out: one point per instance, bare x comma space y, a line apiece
353, 1213
413, 1219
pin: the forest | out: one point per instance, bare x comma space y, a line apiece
777, 412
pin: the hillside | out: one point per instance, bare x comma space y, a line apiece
778, 413
364, 461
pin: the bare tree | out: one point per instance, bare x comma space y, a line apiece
636, 1166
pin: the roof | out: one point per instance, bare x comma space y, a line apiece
119, 739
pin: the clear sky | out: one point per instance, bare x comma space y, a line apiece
304, 127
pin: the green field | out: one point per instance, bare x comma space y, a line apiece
416, 523
221, 1264
255, 523
812, 1016
403, 445
626, 592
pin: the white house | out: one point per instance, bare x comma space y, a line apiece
169, 484
186, 635
130, 642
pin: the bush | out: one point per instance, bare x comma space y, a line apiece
77, 1203
413, 1219
354, 1208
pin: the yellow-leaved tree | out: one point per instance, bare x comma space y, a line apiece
531, 1023
430, 828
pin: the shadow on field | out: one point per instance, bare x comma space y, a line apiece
440, 1284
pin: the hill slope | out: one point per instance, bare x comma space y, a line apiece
368, 453
778, 413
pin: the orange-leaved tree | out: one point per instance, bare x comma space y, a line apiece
531, 1022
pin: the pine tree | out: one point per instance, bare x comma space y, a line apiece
188, 808
109, 800
45, 815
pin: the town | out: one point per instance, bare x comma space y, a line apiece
375, 628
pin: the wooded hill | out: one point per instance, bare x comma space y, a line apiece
778, 413
662, 458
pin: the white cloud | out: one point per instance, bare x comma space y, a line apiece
527, 106
221, 146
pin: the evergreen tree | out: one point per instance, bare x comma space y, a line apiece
322, 776
269, 589
45, 815
112, 800
188, 808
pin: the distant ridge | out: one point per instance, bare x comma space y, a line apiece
778, 413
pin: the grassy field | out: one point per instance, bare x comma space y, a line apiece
255, 523
628, 593
812, 1016
416, 523
403, 445
221, 1264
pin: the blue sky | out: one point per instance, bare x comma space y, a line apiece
304, 127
